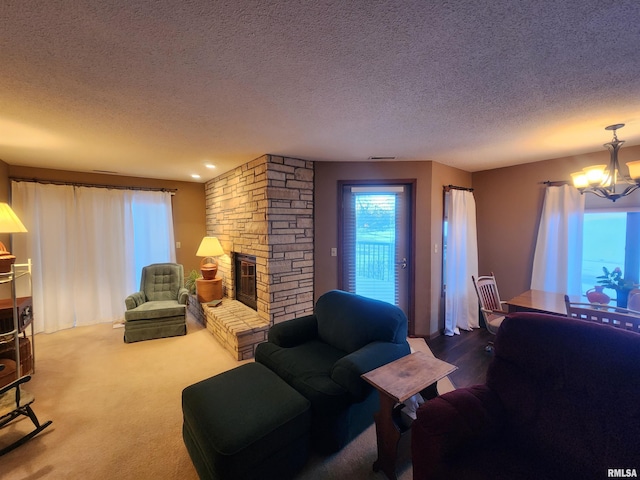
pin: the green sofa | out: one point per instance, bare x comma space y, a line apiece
323, 356
159, 309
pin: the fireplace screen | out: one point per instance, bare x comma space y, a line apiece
245, 267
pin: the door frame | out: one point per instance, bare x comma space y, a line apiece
411, 204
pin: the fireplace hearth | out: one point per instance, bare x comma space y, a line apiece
245, 280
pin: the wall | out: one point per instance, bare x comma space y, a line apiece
265, 208
509, 202
430, 177
188, 202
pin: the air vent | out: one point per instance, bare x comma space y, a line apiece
109, 172
382, 158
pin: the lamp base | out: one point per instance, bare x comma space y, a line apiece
208, 270
5, 263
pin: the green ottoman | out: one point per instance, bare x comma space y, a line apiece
246, 423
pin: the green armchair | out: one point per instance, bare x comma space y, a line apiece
323, 356
158, 310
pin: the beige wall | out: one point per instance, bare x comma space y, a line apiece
188, 202
509, 202
430, 177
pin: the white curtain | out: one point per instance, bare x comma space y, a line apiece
461, 301
85, 247
557, 261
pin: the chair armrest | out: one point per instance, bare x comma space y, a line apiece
447, 424
134, 300
294, 332
347, 371
183, 296
14, 384
499, 312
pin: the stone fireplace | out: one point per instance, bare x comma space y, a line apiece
264, 210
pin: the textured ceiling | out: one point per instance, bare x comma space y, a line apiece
158, 88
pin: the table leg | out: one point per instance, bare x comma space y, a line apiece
430, 392
388, 436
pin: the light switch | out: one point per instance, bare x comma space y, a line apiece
177, 244
334, 252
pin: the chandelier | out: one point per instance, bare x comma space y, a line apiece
603, 180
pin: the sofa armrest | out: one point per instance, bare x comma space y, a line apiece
294, 332
450, 423
183, 296
134, 300
347, 371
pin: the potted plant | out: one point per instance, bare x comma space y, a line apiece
190, 281
616, 281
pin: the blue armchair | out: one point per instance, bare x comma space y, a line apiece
323, 355
159, 309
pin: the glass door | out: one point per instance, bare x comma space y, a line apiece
375, 235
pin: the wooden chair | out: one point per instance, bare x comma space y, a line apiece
633, 301
15, 401
605, 314
491, 306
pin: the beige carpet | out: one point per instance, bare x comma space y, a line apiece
116, 410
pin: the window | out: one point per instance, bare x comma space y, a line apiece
610, 239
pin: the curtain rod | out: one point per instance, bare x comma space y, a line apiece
172, 191
454, 187
555, 183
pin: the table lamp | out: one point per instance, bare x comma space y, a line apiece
209, 248
9, 223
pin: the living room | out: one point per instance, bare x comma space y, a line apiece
502, 114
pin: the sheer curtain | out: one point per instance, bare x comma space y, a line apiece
461, 262
557, 261
86, 248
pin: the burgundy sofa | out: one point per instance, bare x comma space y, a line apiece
561, 400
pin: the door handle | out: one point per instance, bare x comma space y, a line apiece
403, 264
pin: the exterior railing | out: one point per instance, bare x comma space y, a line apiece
375, 260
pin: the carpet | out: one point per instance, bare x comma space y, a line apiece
116, 410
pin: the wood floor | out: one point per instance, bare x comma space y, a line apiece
467, 352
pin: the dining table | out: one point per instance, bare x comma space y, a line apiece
540, 301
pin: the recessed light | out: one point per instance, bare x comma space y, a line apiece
195, 175
209, 165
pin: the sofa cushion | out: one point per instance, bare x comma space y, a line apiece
155, 309
349, 322
162, 281
307, 368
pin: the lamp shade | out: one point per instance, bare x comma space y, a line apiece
209, 247
634, 169
9, 221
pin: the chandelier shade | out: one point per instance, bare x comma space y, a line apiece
608, 181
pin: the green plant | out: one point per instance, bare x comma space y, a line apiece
190, 281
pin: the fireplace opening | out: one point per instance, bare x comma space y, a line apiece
245, 270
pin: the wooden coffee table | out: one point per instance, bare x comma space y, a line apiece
397, 381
